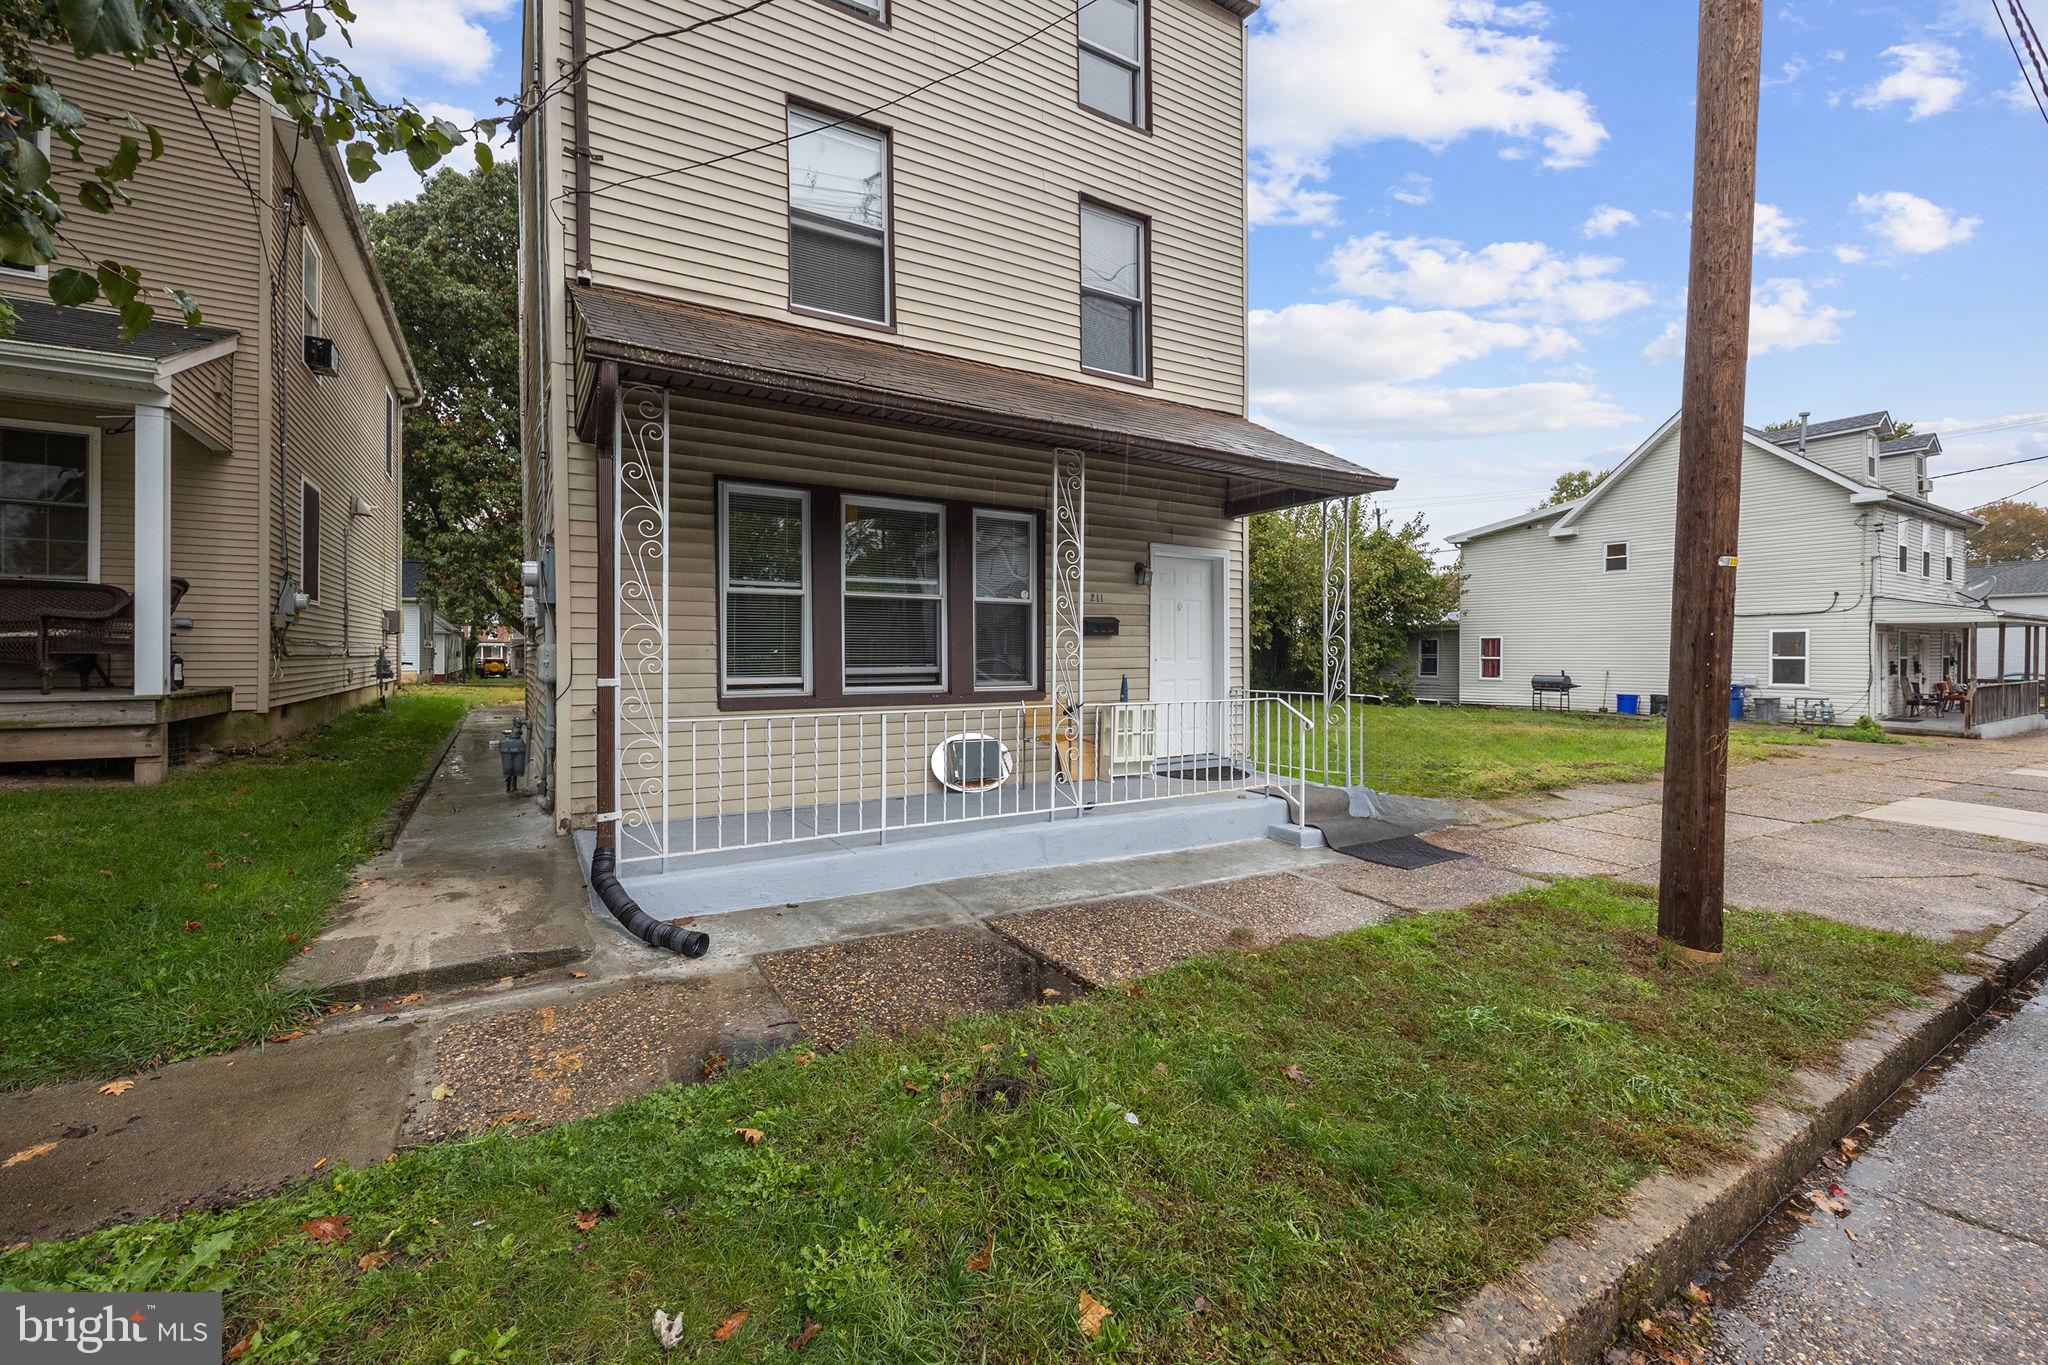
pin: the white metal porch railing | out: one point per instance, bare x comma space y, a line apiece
747, 781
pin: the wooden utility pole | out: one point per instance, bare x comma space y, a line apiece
1710, 475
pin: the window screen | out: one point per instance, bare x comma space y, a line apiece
1489, 656
1005, 600
1112, 291
838, 217
766, 584
309, 541
45, 503
894, 557
1112, 58
1788, 658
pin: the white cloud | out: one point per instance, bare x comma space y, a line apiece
1512, 279
1774, 232
1913, 225
1332, 74
1415, 188
1788, 72
2021, 96
1926, 76
1605, 221
396, 180
1280, 196
1851, 255
1341, 368
394, 40
1782, 317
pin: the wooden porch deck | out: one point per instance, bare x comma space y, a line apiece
101, 723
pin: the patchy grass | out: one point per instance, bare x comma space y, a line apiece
1481, 751
1470, 1085
145, 924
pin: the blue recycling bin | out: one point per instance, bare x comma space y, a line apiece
1735, 692
1628, 703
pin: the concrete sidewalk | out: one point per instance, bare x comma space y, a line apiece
476, 887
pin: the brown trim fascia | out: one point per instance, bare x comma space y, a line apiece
607, 617
887, 132
828, 684
1277, 500
579, 104
595, 421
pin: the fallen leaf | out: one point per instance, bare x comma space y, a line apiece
328, 1227
982, 1259
1696, 1294
1092, 1311
1293, 1072
547, 1018
1050, 994
724, 1330
803, 1338
373, 1260
586, 1219
1825, 1204
803, 1058
120, 1087
1800, 1216
28, 1154
407, 999
512, 1116
1847, 1146
287, 1037
321, 1162
913, 1087
192, 925
55, 938
241, 1348
752, 1136
443, 1091
1159, 1068
578, 976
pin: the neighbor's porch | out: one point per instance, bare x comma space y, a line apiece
1961, 671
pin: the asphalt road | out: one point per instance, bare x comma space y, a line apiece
1939, 1252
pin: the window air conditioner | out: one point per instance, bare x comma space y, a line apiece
321, 357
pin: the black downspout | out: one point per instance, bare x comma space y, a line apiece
604, 862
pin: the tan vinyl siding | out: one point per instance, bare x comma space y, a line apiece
204, 397
334, 437
1801, 566
988, 172
1130, 508
192, 225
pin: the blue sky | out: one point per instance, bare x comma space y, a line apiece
1471, 251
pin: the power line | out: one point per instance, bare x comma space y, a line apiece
2022, 493
2000, 424
2025, 33
1953, 473
788, 138
567, 77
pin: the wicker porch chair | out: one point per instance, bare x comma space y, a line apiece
55, 623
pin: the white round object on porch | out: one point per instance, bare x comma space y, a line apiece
972, 763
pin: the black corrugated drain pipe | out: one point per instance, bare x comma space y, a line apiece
604, 880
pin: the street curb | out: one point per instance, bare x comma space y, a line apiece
1566, 1304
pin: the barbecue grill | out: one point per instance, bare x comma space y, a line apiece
1557, 685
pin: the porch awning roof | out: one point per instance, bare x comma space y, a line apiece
98, 332
714, 350
1899, 611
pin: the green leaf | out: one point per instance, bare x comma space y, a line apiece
484, 158
341, 11
102, 26
72, 288
362, 161
121, 165
422, 154
148, 130
96, 196
316, 27
135, 315
220, 92
187, 306
120, 283
31, 167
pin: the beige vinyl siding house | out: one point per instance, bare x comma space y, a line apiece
812, 428
246, 427
1848, 590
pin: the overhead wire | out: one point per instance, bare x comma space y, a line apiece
2025, 27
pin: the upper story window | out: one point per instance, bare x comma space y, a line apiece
1616, 560
310, 283
1905, 532
309, 539
1112, 58
1113, 290
838, 217
874, 9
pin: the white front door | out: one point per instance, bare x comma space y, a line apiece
1187, 670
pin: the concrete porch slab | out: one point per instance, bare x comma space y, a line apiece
2023, 826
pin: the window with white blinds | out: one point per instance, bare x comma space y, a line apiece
1112, 59
1112, 292
894, 555
764, 588
1005, 599
838, 217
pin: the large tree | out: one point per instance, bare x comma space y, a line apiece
2014, 531
1572, 485
450, 259
222, 51
1396, 590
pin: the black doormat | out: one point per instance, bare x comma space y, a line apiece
1206, 772
1405, 851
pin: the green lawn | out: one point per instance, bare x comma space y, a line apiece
145, 924
1302, 1154
1481, 751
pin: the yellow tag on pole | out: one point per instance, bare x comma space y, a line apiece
1726, 561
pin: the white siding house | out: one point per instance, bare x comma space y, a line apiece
1849, 591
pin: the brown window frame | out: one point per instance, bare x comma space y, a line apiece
1143, 101
828, 690
1146, 318
885, 131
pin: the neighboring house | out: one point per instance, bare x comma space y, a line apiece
430, 649
500, 652
2018, 588
1849, 588
1432, 662
230, 456
840, 426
